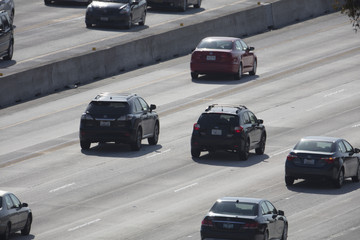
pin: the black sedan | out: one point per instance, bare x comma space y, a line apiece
244, 218
323, 157
116, 13
14, 215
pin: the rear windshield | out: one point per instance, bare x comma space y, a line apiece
218, 44
315, 146
108, 107
235, 208
208, 120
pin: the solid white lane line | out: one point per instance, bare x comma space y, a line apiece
62, 187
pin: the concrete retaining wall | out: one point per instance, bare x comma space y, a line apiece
85, 68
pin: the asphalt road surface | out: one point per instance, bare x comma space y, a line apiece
307, 84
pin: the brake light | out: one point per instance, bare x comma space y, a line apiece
251, 225
238, 129
196, 126
207, 222
196, 55
291, 157
329, 160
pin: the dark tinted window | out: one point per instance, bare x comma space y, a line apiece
144, 105
218, 44
0, 202
15, 200
235, 208
349, 148
252, 117
117, 1
108, 107
271, 207
315, 146
208, 120
264, 209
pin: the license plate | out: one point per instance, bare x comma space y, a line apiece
211, 58
228, 225
309, 161
216, 132
104, 124
105, 19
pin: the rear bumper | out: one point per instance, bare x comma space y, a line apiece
207, 234
165, 3
299, 172
205, 68
210, 143
108, 20
120, 136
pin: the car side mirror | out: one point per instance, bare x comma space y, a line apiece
281, 212
251, 48
356, 150
260, 121
24, 205
152, 107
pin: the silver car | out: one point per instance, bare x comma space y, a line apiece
14, 215
9, 7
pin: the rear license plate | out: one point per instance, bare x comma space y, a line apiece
228, 225
210, 58
216, 132
309, 161
104, 124
104, 19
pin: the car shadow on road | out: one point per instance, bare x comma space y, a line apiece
106, 28
120, 150
324, 187
229, 159
174, 11
5, 64
223, 79
18, 236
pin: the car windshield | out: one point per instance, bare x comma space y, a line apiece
208, 120
216, 44
108, 107
235, 208
315, 146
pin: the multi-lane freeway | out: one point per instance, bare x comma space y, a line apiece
307, 84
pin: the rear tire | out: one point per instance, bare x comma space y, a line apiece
244, 154
6, 234
184, 6
136, 145
194, 75
85, 145
198, 4
339, 181
195, 152
47, 2
261, 149
142, 21
289, 180
238, 75
129, 24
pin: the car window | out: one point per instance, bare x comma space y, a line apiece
315, 146
8, 202
103, 107
341, 147
5, 22
208, 120
15, 200
348, 147
246, 118
137, 106
253, 119
244, 45
235, 208
238, 45
264, 208
144, 105
271, 207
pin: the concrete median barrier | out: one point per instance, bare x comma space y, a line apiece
150, 49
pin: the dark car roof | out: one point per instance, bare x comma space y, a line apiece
114, 97
224, 108
321, 138
241, 199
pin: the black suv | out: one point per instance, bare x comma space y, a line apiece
6, 36
119, 118
228, 127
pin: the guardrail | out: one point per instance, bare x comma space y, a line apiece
84, 68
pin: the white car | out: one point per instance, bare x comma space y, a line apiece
9, 7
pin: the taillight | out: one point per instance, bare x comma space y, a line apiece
86, 116
207, 222
291, 157
196, 126
251, 225
329, 160
238, 129
126, 117
196, 55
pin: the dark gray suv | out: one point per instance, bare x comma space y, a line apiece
6, 36
228, 127
119, 118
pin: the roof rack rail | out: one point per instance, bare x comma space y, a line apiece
239, 107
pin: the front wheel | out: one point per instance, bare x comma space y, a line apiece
285, 232
142, 21
26, 230
357, 177
154, 139
10, 51
253, 71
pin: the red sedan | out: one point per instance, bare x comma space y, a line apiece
223, 55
